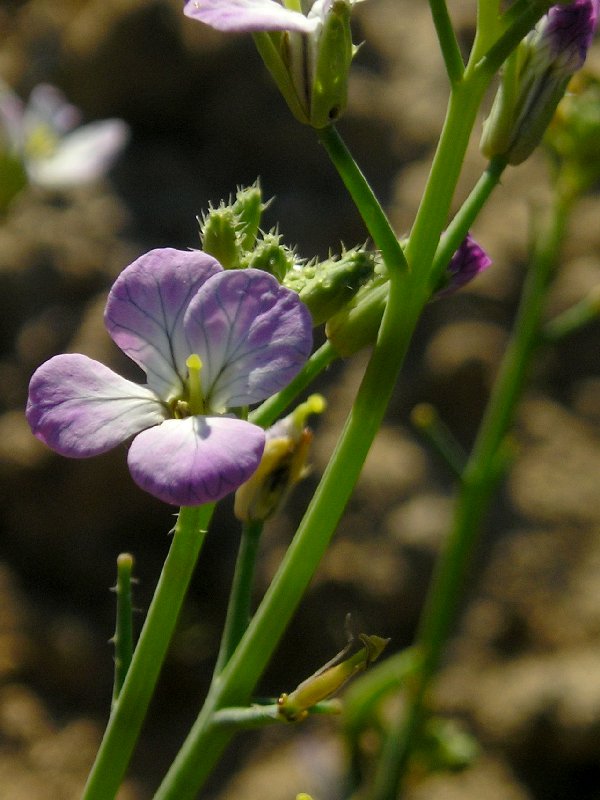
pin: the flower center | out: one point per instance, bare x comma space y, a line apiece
41, 142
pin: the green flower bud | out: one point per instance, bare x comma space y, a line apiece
220, 237
357, 325
271, 256
329, 286
248, 208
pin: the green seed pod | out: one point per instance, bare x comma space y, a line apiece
357, 325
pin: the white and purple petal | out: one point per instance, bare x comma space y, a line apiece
196, 460
249, 16
82, 156
145, 310
80, 408
252, 334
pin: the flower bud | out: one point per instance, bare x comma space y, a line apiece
248, 208
327, 287
535, 78
467, 262
219, 236
271, 256
282, 466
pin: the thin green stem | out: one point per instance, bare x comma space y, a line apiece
479, 480
370, 209
432, 214
465, 216
272, 408
455, 66
238, 611
237, 680
130, 708
123, 638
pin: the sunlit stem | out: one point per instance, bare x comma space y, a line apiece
196, 400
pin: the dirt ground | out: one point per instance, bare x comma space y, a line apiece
523, 672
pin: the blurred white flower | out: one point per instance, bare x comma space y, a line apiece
43, 135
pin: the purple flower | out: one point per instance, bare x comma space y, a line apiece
208, 340
467, 262
43, 135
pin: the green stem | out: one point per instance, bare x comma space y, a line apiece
465, 216
272, 408
130, 708
235, 683
521, 18
355, 182
477, 486
238, 611
432, 214
123, 638
455, 66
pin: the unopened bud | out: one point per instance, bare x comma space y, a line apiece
219, 236
271, 256
248, 208
327, 287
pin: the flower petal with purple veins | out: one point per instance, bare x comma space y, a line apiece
81, 156
249, 16
252, 334
81, 408
195, 460
145, 310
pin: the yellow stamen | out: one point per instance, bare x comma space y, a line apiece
315, 404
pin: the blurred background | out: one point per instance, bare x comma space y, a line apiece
523, 673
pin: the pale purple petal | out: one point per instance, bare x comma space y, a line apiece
249, 16
80, 408
251, 334
196, 460
47, 105
145, 310
80, 157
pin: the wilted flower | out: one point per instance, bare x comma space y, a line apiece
282, 465
535, 78
54, 152
208, 340
308, 55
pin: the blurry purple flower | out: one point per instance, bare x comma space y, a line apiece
469, 260
43, 135
208, 340
251, 16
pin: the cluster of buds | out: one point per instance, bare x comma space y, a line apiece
535, 78
308, 55
231, 234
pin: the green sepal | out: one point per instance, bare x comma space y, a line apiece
219, 235
329, 286
334, 52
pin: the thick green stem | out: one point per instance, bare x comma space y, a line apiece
130, 708
238, 611
477, 486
